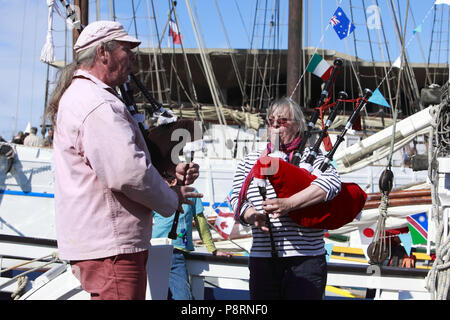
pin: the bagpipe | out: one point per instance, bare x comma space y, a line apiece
288, 179
159, 139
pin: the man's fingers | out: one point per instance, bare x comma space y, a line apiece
187, 189
193, 195
187, 173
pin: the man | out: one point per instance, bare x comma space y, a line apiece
18, 139
48, 141
105, 184
32, 140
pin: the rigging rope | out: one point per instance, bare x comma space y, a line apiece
377, 249
21, 284
315, 51
208, 69
188, 68
21, 278
382, 55
233, 58
438, 279
20, 69
229, 239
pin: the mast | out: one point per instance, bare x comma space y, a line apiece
294, 62
83, 5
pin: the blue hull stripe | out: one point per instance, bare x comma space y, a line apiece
51, 195
28, 194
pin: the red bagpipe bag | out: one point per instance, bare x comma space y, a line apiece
288, 179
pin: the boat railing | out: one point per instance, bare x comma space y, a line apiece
207, 270
232, 273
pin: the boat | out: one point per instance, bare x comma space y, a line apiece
26, 198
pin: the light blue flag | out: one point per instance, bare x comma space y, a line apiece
329, 249
418, 29
334, 164
406, 240
378, 98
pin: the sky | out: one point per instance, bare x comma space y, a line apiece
24, 27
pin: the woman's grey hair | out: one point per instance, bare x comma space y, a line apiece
85, 58
294, 108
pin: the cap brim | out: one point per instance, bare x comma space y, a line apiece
134, 42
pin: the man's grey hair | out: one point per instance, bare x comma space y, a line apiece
85, 58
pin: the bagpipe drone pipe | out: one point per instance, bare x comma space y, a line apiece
288, 179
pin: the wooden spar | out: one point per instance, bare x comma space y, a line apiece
410, 201
400, 194
83, 7
294, 57
400, 198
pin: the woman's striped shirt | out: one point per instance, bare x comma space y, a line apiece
290, 238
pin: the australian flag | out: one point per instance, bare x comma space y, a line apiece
341, 23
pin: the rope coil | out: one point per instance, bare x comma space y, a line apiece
438, 278
22, 279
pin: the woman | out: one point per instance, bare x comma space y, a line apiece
300, 272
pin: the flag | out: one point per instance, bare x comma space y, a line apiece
28, 128
224, 224
406, 240
418, 226
225, 219
341, 24
418, 29
366, 233
319, 67
397, 63
329, 249
378, 98
334, 164
447, 2
174, 33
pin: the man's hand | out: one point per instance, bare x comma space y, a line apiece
185, 192
191, 171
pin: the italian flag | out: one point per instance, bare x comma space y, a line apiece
319, 67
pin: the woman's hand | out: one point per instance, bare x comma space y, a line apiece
277, 207
281, 206
256, 219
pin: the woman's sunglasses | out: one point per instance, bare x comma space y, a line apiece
282, 122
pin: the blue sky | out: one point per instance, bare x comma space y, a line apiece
24, 27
